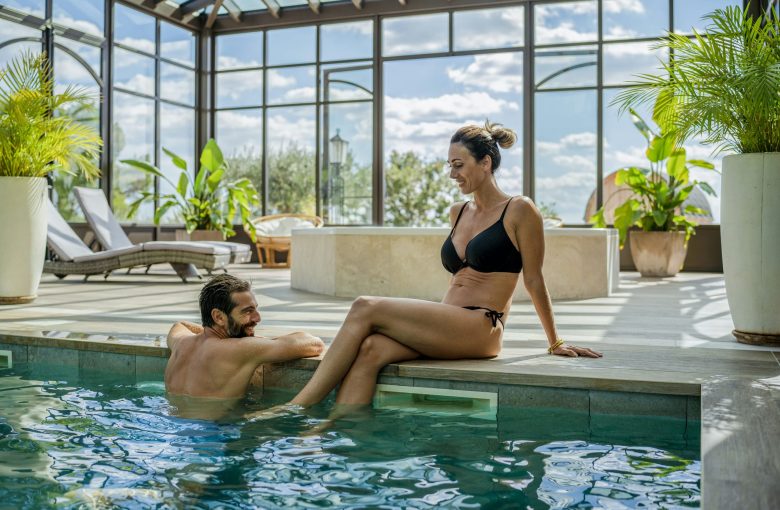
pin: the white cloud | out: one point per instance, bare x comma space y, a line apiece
447, 106
500, 72
573, 140
285, 130
358, 27
619, 32
576, 180
576, 161
279, 80
138, 44
554, 23
228, 62
85, 26
618, 6
623, 50
300, 94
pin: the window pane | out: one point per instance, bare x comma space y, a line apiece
240, 136
345, 41
411, 35
345, 82
292, 46
133, 71
134, 29
240, 50
490, 28
10, 31
420, 116
565, 152
623, 61
292, 85
177, 44
177, 84
688, 14
567, 22
91, 54
68, 71
240, 88
347, 182
574, 66
83, 15
133, 138
635, 19
291, 145
34, 7
177, 134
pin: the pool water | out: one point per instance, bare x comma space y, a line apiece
93, 442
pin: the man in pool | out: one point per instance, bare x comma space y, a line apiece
218, 359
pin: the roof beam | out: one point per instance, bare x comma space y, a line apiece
345, 11
234, 11
273, 7
194, 5
358, 4
214, 13
315, 6
167, 11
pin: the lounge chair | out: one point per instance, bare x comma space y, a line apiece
72, 256
110, 235
274, 235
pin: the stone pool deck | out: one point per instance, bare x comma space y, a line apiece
666, 342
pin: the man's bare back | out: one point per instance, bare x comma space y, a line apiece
209, 362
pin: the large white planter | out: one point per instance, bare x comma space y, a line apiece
750, 238
23, 220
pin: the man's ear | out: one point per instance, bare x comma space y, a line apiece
219, 317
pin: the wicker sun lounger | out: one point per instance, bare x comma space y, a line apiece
111, 236
72, 256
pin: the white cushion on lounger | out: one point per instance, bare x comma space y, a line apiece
101, 255
281, 227
61, 237
108, 231
192, 247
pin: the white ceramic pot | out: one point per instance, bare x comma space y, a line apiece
23, 221
657, 253
750, 240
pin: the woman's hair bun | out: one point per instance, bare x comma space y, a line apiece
503, 136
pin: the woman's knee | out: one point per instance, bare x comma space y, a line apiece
370, 352
363, 306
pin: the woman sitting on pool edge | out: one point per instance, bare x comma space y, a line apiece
493, 237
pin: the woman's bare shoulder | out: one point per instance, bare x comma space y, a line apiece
523, 209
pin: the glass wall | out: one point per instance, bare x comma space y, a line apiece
153, 107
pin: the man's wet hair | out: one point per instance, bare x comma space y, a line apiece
217, 293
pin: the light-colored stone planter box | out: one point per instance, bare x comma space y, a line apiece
579, 263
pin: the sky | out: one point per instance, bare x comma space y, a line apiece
425, 100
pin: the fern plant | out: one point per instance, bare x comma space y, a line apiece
37, 136
721, 86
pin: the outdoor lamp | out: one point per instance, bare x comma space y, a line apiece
338, 149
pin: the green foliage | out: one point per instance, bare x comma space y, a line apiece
417, 193
291, 181
205, 202
659, 191
721, 85
548, 210
37, 134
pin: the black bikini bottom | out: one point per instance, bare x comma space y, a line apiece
494, 316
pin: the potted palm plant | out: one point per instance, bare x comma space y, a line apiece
37, 136
723, 86
207, 204
656, 203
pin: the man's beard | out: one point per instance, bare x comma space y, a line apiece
236, 330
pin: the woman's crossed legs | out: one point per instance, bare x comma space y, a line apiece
379, 331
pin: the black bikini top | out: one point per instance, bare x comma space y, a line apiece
490, 251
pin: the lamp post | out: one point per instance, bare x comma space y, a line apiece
338, 157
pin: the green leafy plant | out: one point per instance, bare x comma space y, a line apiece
721, 86
658, 191
205, 202
37, 135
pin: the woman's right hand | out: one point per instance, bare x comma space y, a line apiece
573, 351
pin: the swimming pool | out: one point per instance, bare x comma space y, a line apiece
68, 441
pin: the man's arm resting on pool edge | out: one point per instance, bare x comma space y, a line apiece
285, 348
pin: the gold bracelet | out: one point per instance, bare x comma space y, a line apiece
554, 346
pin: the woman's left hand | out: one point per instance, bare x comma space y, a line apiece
573, 351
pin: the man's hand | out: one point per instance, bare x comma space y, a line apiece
182, 329
195, 328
